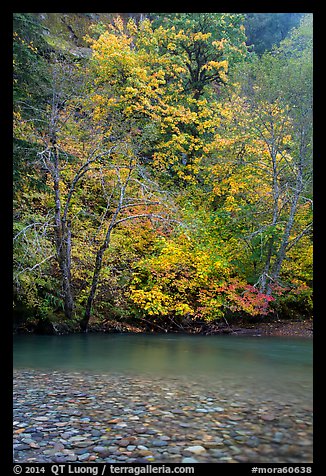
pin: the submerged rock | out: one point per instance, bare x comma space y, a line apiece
73, 416
196, 449
189, 460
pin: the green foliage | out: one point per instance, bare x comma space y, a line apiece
195, 275
206, 38
30, 79
294, 302
264, 30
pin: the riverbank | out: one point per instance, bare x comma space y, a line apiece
266, 327
278, 328
65, 417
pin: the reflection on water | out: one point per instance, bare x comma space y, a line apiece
284, 361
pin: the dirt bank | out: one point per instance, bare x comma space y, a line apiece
276, 328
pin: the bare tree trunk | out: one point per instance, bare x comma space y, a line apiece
99, 257
285, 239
122, 205
62, 237
98, 266
67, 294
66, 273
265, 279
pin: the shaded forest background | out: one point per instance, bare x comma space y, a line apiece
162, 167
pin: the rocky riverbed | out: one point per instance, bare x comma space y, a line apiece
84, 417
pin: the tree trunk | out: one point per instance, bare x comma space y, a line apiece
285, 240
97, 269
265, 279
99, 257
66, 272
67, 295
98, 266
265, 275
62, 238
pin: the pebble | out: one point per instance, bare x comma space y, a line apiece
278, 437
99, 449
253, 442
84, 457
145, 453
123, 442
158, 443
213, 444
267, 417
304, 442
64, 417
196, 449
189, 460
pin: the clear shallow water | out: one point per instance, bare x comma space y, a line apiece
279, 363
245, 399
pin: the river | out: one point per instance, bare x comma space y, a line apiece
249, 399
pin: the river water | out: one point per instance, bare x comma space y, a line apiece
282, 362
263, 383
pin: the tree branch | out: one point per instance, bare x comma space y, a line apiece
297, 238
148, 215
35, 266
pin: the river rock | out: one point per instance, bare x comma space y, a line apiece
124, 442
99, 449
189, 460
196, 449
84, 457
106, 433
158, 443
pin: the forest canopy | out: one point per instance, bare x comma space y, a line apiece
162, 166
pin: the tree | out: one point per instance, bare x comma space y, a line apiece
161, 123
291, 149
205, 41
30, 74
276, 127
132, 196
164, 79
48, 122
264, 30
71, 141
